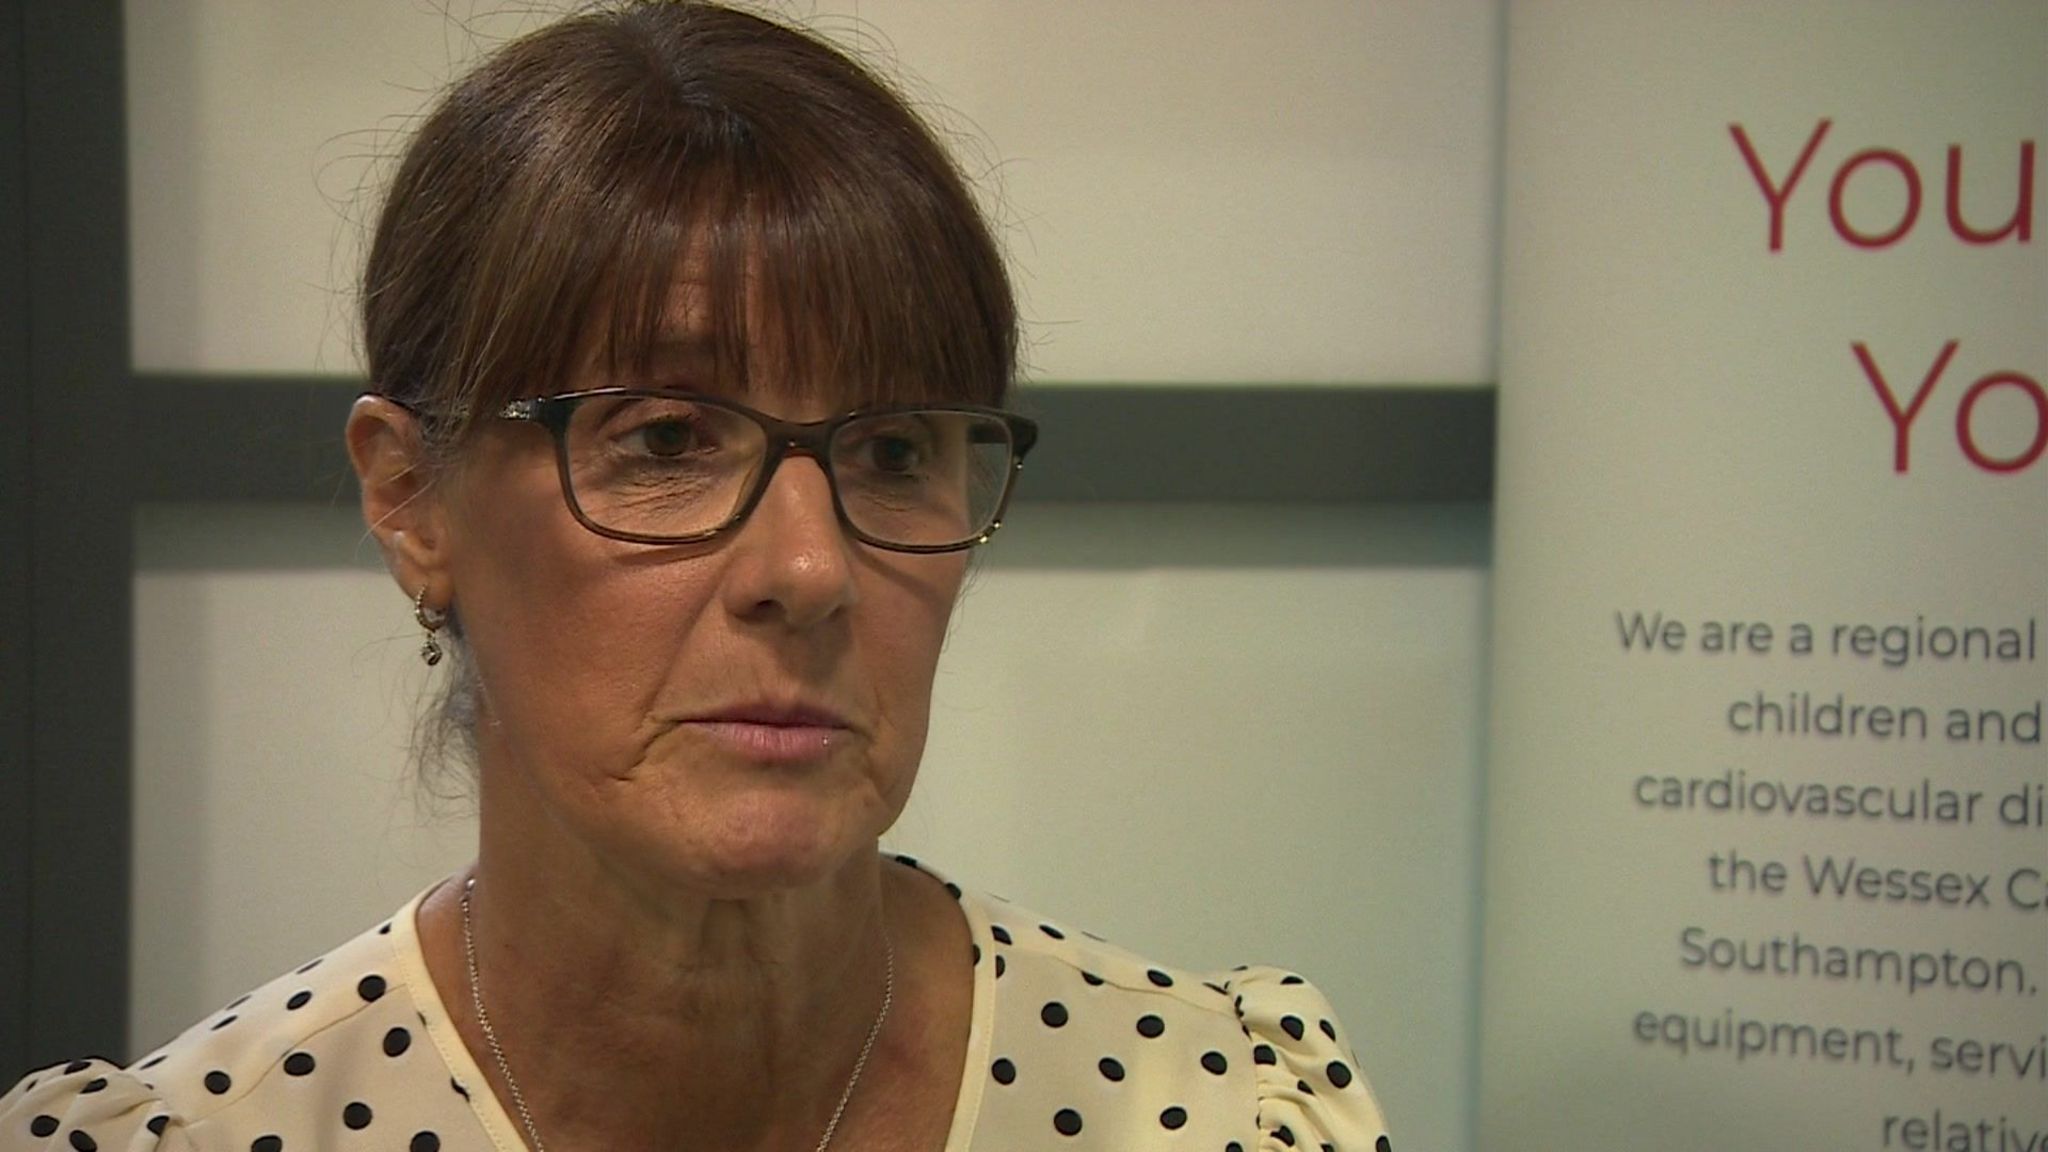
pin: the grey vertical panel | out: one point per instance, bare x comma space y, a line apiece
79, 531
17, 796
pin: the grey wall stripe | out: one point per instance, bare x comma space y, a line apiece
1261, 444
79, 533
17, 793
279, 439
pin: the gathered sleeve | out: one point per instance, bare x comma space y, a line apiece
88, 1106
1311, 1093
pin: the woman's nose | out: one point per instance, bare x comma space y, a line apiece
792, 561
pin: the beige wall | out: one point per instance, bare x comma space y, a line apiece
1212, 190
1214, 734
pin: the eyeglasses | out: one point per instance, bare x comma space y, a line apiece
659, 467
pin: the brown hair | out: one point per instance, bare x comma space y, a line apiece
542, 211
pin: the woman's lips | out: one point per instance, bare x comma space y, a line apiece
774, 739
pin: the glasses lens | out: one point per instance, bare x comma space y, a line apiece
660, 465
927, 478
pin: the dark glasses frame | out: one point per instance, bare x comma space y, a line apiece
784, 438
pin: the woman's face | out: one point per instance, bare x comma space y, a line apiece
738, 716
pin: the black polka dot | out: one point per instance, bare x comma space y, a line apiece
222, 1023
299, 1000
267, 1144
1001, 933
384, 929
299, 1064
1218, 989
370, 988
1338, 1074
239, 1001
1091, 979
218, 1082
1158, 978
910, 860
356, 1115
1303, 1087
1151, 1027
76, 1066
152, 1062
309, 965
1383, 1145
1285, 1135
1292, 1026
953, 889
44, 1125
999, 965
977, 954
1263, 1054
397, 1041
1173, 1118
1004, 1071
1215, 1063
459, 1089
424, 1142
1067, 1121
1051, 931
1111, 1068
1233, 1146
1328, 1029
1291, 979
96, 1084
83, 1142
1054, 1014
157, 1124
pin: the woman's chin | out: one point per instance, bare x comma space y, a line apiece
764, 845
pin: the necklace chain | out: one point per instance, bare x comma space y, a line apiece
483, 1019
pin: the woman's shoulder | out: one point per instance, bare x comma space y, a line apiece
1088, 1037
86, 1105
337, 1043
1311, 1089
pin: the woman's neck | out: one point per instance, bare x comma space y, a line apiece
636, 1016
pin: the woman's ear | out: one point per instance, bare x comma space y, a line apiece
400, 506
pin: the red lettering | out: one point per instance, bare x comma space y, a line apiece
1775, 197
1966, 435
1902, 421
2021, 222
1906, 171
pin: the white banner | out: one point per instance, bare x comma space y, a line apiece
1767, 834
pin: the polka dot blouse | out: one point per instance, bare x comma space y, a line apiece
1075, 1045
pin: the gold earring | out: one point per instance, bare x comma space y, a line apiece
430, 622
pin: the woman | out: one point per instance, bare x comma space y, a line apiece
688, 349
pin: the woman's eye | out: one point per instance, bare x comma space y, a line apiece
662, 438
896, 446
895, 454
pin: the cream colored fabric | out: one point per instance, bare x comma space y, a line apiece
1075, 1045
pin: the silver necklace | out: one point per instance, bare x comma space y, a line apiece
483, 1019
